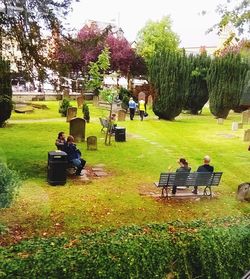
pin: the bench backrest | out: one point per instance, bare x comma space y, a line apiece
189, 179
104, 122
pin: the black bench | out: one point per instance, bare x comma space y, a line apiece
104, 123
207, 179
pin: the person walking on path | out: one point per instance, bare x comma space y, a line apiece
132, 107
142, 108
204, 168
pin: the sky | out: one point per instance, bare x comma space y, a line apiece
132, 15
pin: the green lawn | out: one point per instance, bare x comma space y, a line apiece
121, 198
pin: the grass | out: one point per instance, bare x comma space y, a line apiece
122, 197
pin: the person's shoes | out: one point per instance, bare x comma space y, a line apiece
195, 192
173, 193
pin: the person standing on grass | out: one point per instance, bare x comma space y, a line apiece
183, 168
132, 107
204, 168
142, 108
74, 155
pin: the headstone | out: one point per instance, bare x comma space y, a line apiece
240, 125
141, 96
77, 128
121, 115
92, 143
66, 92
95, 100
71, 113
247, 135
246, 116
80, 101
220, 121
150, 101
235, 126
243, 193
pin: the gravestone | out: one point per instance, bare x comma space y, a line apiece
141, 96
95, 100
71, 113
80, 101
235, 126
66, 92
246, 116
243, 193
247, 135
92, 143
121, 115
240, 125
77, 128
220, 121
150, 101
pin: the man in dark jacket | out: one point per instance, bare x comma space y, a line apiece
204, 168
74, 155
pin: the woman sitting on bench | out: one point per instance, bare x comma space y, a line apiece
183, 168
74, 155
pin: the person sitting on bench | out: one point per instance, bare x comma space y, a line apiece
183, 168
61, 141
204, 168
74, 155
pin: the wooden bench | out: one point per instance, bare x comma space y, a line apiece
104, 123
206, 179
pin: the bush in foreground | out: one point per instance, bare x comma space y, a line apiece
216, 249
9, 183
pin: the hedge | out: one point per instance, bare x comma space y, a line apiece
215, 249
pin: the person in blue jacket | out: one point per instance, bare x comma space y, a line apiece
74, 155
132, 107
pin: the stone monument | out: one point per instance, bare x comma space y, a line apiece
71, 113
77, 128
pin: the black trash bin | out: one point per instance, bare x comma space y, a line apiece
120, 134
57, 165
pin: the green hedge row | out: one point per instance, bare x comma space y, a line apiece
216, 249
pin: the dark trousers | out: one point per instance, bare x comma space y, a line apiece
142, 114
80, 167
131, 113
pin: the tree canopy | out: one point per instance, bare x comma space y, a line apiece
24, 23
156, 36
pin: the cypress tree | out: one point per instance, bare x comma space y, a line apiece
245, 98
168, 72
5, 92
225, 81
197, 95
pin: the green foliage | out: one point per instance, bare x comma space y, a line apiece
237, 15
245, 99
64, 105
124, 96
156, 36
9, 183
108, 94
225, 83
5, 92
169, 73
85, 111
97, 70
218, 249
197, 95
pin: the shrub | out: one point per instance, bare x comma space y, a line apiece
124, 96
217, 249
169, 73
85, 111
9, 183
64, 105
